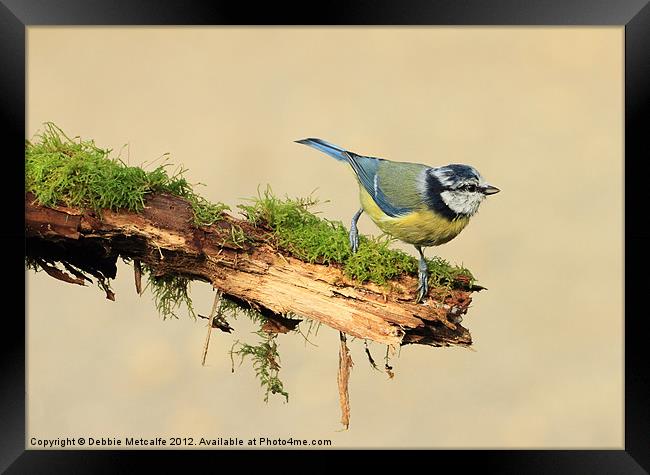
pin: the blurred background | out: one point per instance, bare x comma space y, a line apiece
538, 111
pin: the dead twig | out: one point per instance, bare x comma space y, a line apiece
345, 364
59, 274
370, 358
137, 273
216, 307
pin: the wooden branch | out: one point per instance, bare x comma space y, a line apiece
255, 272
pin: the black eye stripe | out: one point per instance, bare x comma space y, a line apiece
471, 188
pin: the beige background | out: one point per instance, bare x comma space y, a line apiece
537, 110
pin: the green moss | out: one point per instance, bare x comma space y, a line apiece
75, 172
266, 362
299, 231
206, 212
374, 261
170, 292
264, 355
315, 239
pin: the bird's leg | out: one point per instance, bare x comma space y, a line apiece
423, 277
354, 233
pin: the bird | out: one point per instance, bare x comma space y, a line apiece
412, 202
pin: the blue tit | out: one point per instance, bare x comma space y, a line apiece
414, 203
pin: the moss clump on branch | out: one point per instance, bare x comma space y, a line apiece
75, 172
314, 239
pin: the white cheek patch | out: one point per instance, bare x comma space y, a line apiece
462, 202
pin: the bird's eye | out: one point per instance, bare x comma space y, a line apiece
471, 188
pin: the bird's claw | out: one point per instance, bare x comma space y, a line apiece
423, 278
423, 287
354, 241
354, 232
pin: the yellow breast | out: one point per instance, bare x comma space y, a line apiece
422, 227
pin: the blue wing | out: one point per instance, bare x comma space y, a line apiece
367, 170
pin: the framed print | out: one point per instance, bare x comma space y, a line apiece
359, 316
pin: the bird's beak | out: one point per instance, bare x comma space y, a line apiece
490, 190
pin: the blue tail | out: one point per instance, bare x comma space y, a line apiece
330, 149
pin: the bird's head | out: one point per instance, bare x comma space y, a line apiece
458, 188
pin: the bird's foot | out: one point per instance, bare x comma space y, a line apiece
423, 286
423, 281
354, 232
354, 239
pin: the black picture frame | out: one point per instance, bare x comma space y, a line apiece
16, 15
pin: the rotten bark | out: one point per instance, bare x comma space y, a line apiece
255, 272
